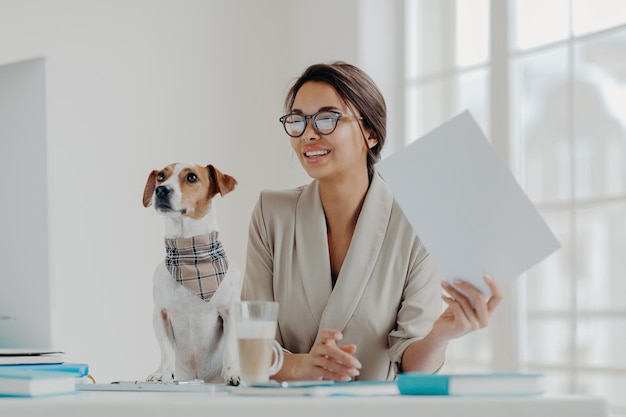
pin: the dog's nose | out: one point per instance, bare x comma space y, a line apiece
162, 191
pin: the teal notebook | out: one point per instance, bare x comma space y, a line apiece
79, 370
488, 384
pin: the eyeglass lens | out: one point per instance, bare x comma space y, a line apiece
323, 122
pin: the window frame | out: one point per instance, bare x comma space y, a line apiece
508, 331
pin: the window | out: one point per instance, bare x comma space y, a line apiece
547, 83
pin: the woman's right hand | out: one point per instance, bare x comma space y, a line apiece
326, 360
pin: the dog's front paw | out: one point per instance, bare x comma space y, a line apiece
231, 375
233, 380
160, 376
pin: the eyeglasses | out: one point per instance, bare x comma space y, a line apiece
324, 122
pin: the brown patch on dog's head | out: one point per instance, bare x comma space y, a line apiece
194, 187
148, 190
199, 185
221, 183
154, 179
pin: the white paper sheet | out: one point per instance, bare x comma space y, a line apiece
466, 206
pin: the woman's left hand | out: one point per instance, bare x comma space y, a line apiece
468, 309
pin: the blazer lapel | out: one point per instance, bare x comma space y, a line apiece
361, 257
312, 249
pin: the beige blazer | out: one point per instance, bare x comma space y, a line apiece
387, 293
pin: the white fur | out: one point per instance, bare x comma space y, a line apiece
196, 337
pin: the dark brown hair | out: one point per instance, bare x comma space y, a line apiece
357, 90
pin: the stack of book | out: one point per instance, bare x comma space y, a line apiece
40, 379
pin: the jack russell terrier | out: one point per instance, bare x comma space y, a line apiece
195, 286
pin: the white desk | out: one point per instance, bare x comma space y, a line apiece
179, 404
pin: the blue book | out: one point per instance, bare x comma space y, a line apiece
17, 382
79, 370
488, 384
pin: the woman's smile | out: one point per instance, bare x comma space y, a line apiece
314, 154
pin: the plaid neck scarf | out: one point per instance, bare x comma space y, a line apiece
198, 263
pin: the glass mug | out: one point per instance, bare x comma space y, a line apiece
260, 355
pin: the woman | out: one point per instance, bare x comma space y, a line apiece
359, 296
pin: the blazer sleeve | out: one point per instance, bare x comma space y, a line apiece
419, 311
257, 284
421, 302
270, 229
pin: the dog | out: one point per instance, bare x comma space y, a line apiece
195, 286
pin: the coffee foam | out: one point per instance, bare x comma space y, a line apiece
256, 330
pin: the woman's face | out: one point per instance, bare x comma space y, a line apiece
339, 155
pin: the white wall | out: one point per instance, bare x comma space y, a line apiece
134, 85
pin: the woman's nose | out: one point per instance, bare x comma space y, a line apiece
309, 131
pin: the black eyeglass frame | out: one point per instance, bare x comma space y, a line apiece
336, 117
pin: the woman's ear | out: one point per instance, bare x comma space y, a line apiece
372, 140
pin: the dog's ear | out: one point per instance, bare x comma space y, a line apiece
149, 189
220, 183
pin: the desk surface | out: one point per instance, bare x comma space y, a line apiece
168, 404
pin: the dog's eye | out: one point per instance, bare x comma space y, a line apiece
160, 177
192, 177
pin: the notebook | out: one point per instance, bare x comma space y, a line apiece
25, 288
